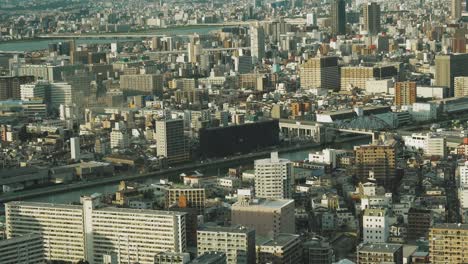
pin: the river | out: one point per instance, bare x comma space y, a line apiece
74, 196
42, 44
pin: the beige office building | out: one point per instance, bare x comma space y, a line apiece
142, 83
448, 67
320, 72
461, 86
183, 196
355, 77
269, 218
274, 177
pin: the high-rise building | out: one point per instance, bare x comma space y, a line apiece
27, 249
283, 249
447, 243
61, 227
119, 138
378, 159
456, 9
320, 72
375, 226
61, 94
39, 89
236, 241
257, 42
269, 218
273, 177
170, 140
461, 86
92, 232
75, 148
405, 93
419, 222
357, 77
10, 87
371, 13
338, 15
458, 41
370, 253
142, 84
448, 67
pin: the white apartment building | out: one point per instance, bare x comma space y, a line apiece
273, 177
432, 145
463, 175
93, 232
75, 148
237, 242
375, 226
34, 90
27, 249
61, 227
119, 137
327, 156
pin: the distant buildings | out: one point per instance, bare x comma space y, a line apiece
338, 16
448, 67
273, 177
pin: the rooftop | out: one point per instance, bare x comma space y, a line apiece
381, 248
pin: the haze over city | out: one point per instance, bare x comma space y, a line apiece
233, 132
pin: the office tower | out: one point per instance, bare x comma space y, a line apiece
75, 148
371, 253
61, 227
419, 222
92, 232
320, 73
243, 64
357, 77
183, 196
380, 160
375, 226
317, 251
448, 67
458, 41
10, 87
447, 243
405, 93
461, 86
269, 218
170, 140
338, 15
119, 138
27, 249
148, 84
371, 13
257, 43
456, 9
37, 90
273, 177
284, 248
237, 242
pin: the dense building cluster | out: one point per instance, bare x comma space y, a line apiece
270, 132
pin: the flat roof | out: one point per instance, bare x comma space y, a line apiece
46, 205
451, 226
376, 247
265, 203
227, 229
282, 239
